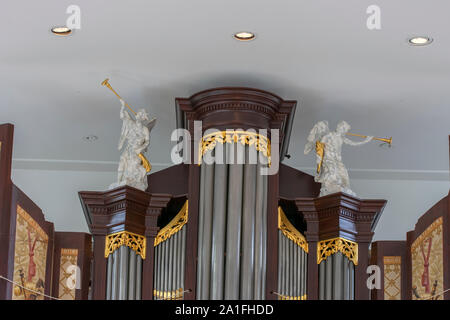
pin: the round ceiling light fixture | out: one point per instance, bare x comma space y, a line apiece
90, 138
61, 31
420, 40
244, 36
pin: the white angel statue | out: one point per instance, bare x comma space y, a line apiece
133, 165
331, 172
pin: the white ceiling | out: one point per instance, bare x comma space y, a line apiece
317, 52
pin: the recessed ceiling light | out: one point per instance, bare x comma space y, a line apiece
61, 31
90, 138
420, 41
244, 36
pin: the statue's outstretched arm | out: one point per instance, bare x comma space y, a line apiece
353, 143
123, 112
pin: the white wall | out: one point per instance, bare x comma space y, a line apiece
407, 201
56, 192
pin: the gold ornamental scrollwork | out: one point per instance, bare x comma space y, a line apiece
134, 241
290, 231
283, 297
259, 141
328, 247
173, 226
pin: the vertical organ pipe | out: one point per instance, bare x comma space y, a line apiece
233, 233
218, 227
131, 275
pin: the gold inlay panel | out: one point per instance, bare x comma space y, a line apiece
283, 297
290, 231
135, 242
328, 247
173, 226
260, 142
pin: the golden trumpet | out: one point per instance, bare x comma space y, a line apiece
389, 141
106, 84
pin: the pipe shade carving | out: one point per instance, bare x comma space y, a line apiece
326, 248
134, 241
258, 141
173, 226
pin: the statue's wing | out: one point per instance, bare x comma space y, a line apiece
124, 132
317, 132
151, 124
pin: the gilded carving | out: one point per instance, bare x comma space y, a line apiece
134, 241
168, 295
427, 263
260, 142
283, 297
328, 247
290, 231
173, 226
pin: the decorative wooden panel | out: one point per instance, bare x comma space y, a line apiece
30, 257
427, 263
392, 277
67, 274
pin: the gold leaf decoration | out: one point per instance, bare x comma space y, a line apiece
328, 247
173, 226
290, 231
260, 142
134, 241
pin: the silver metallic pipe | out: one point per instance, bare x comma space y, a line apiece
280, 247
322, 280
329, 277
178, 261
248, 232
207, 231
264, 238
123, 288
116, 273
346, 286
352, 280
132, 275
165, 265
156, 271
218, 227
259, 244
161, 267
138, 277
305, 271
286, 267
109, 277
183, 255
233, 233
201, 217
338, 277
170, 266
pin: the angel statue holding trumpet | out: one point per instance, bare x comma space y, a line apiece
331, 172
134, 141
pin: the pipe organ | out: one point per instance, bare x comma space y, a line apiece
292, 260
232, 222
235, 239
170, 247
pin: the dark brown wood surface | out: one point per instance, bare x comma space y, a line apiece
173, 180
122, 209
297, 184
340, 215
83, 243
20, 198
380, 249
440, 209
6, 237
